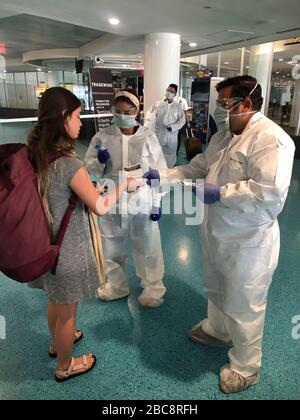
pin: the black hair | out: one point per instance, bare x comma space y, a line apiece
242, 87
174, 87
125, 99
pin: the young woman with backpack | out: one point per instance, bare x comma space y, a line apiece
76, 274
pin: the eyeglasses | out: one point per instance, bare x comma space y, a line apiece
131, 111
227, 103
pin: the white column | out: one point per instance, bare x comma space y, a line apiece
162, 66
203, 60
296, 106
219, 63
261, 63
242, 61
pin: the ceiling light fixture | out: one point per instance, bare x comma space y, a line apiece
241, 32
114, 21
193, 44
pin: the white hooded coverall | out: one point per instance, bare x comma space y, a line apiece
127, 225
240, 234
159, 118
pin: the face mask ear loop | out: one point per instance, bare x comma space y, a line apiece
252, 91
247, 97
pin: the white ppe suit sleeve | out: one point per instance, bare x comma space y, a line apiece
156, 161
180, 123
150, 118
156, 157
197, 169
270, 169
184, 105
93, 165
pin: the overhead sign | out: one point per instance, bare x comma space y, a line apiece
103, 95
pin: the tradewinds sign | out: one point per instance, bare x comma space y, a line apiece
103, 95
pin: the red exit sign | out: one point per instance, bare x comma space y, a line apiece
3, 49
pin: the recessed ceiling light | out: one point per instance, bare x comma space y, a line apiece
226, 62
193, 44
114, 21
277, 72
240, 32
280, 59
39, 69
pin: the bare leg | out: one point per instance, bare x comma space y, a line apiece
52, 318
64, 334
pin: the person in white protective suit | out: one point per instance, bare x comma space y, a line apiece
127, 146
247, 170
166, 119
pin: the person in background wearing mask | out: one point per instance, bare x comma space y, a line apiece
167, 118
124, 145
247, 169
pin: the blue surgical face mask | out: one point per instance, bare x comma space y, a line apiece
221, 117
170, 96
124, 121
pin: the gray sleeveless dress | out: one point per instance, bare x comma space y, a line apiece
76, 275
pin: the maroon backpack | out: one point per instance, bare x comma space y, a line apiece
26, 250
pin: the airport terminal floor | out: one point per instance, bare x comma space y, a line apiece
145, 353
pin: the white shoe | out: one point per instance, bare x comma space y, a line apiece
107, 293
232, 382
145, 299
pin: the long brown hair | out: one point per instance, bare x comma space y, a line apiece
50, 136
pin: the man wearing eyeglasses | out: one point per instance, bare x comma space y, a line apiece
247, 170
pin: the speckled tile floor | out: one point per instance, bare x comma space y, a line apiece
145, 354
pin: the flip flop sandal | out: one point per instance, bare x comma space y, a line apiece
53, 354
72, 372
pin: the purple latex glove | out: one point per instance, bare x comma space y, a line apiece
103, 155
153, 177
155, 214
212, 193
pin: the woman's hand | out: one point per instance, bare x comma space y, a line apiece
134, 184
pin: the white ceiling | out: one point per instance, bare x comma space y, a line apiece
211, 23
25, 32
216, 25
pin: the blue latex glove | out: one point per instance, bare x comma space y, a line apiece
103, 155
188, 125
212, 193
155, 214
153, 177
169, 129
